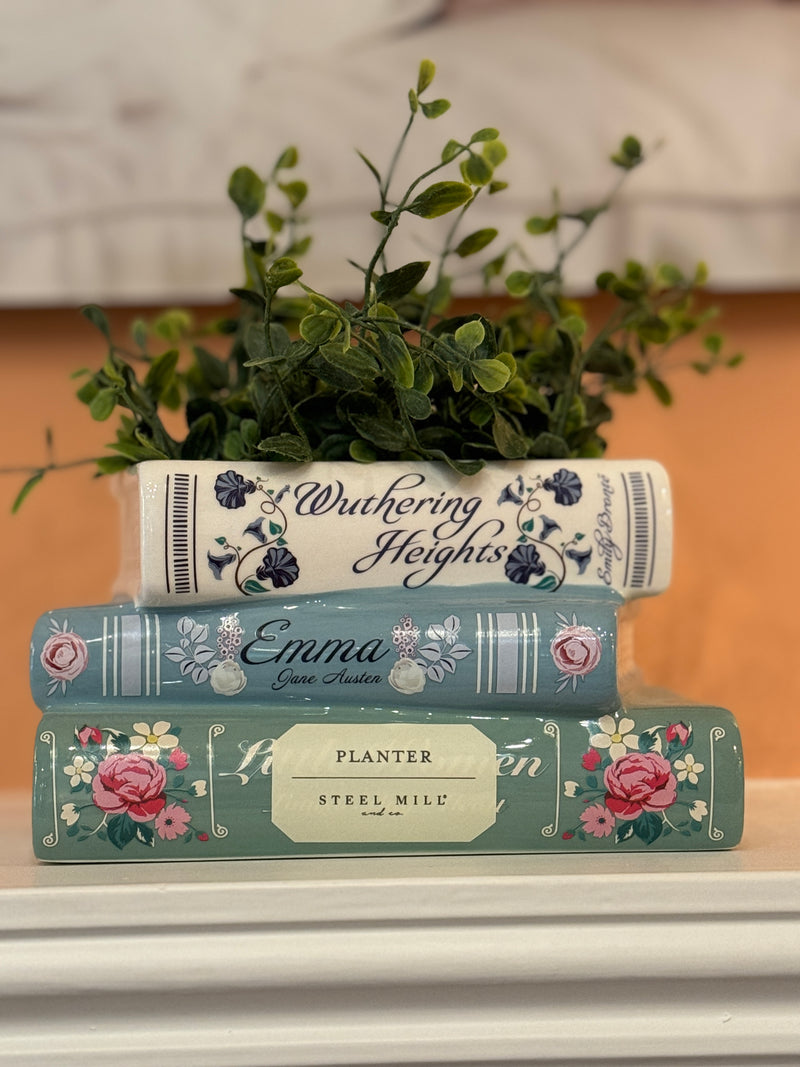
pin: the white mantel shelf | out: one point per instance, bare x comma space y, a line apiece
637, 959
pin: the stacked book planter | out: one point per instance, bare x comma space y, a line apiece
339, 659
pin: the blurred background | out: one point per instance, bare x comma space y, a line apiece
120, 124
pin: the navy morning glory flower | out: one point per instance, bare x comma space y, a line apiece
566, 485
231, 489
256, 529
548, 525
509, 494
219, 563
280, 567
581, 556
522, 562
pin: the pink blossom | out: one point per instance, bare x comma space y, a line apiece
598, 820
576, 650
172, 822
591, 759
640, 781
64, 656
128, 783
179, 759
680, 731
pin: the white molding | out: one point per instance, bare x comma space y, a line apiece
644, 960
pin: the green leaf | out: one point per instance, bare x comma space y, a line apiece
519, 282
538, 224
160, 374
295, 192
427, 71
629, 154
381, 430
361, 452
355, 361
434, 108
396, 359
712, 343
418, 405
660, 389
490, 374
288, 446
451, 150
548, 445
488, 133
247, 191
283, 271
647, 827
287, 159
476, 242
103, 404
30, 484
440, 198
121, 830
469, 335
249, 296
112, 464
203, 438
476, 170
320, 328
252, 586
383, 217
213, 370
653, 329
397, 283
510, 444
98, 318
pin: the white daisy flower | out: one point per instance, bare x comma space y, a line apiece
80, 770
151, 740
616, 736
688, 768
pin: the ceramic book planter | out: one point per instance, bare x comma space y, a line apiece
293, 781
484, 646
338, 659
214, 532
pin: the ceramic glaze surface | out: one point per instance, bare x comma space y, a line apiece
485, 647
215, 531
116, 785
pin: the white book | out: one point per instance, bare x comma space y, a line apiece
207, 532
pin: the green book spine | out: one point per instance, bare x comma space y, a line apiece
345, 781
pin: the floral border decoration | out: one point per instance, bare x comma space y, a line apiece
534, 555
198, 660
134, 786
416, 663
637, 785
270, 562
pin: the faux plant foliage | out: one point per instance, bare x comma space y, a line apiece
396, 376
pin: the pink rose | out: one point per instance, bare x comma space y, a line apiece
129, 783
179, 759
64, 656
679, 731
89, 734
640, 781
576, 650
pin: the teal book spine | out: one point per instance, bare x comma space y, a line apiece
479, 647
311, 781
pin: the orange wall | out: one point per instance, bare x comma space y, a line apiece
727, 631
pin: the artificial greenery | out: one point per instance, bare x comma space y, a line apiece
397, 375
